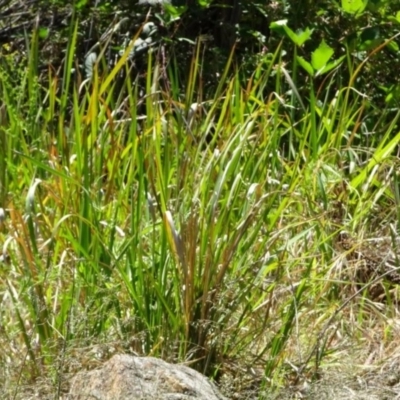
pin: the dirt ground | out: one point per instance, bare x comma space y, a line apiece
335, 385
369, 372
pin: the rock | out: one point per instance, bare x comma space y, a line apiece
126, 377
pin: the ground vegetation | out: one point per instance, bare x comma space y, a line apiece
214, 183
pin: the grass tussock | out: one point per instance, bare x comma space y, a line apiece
200, 227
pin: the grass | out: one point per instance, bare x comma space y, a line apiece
197, 227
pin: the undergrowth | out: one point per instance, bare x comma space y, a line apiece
140, 214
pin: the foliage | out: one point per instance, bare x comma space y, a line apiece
187, 208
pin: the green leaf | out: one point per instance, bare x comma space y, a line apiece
278, 26
393, 47
305, 65
43, 33
370, 38
354, 6
370, 33
298, 38
328, 67
174, 12
377, 6
393, 95
321, 56
395, 19
80, 4
204, 3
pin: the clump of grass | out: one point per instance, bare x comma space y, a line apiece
193, 226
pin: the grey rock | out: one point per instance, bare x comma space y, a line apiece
126, 377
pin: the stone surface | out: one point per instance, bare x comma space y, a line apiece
126, 377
